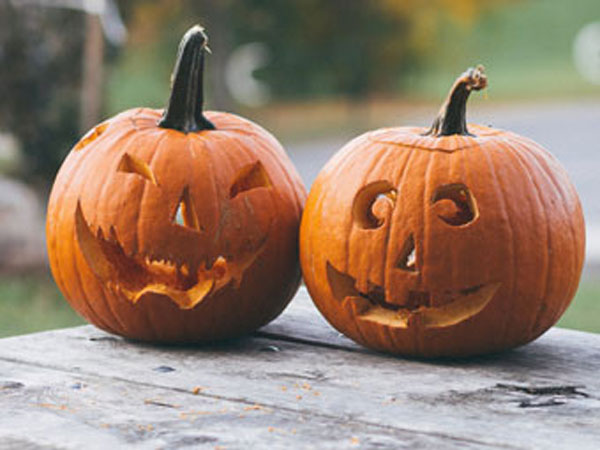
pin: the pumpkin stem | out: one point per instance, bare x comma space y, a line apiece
452, 118
184, 111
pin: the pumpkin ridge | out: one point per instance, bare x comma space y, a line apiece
378, 160
83, 158
531, 159
505, 148
102, 188
540, 205
501, 200
81, 288
516, 149
411, 155
347, 250
551, 176
291, 184
425, 223
137, 243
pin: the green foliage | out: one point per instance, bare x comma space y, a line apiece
30, 303
526, 48
321, 48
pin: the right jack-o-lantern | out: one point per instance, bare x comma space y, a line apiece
445, 241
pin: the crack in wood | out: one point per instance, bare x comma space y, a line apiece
159, 403
564, 390
104, 339
314, 375
558, 395
6, 385
296, 340
542, 404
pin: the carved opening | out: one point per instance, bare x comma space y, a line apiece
418, 299
341, 285
185, 214
131, 164
90, 136
249, 177
457, 205
135, 275
373, 203
434, 309
407, 259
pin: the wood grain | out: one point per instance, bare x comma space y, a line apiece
295, 383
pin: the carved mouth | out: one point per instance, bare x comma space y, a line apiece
420, 308
137, 275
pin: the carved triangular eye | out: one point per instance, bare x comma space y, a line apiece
131, 164
250, 177
185, 214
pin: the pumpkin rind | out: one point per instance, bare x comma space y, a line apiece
496, 230
128, 263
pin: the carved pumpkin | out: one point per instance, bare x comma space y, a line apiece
442, 242
177, 225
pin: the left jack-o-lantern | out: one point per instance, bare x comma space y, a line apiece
177, 225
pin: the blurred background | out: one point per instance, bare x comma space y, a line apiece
315, 73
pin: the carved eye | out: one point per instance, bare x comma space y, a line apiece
185, 214
373, 203
90, 136
455, 204
131, 164
250, 177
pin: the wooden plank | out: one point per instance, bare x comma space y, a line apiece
52, 409
542, 395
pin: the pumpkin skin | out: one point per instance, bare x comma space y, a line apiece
176, 235
442, 243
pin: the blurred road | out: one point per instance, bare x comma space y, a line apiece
570, 130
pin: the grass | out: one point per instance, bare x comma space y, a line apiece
30, 303
584, 312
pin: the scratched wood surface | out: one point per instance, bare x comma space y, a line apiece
296, 383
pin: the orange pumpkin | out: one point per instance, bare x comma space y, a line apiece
177, 225
442, 242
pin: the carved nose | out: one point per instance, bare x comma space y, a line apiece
403, 278
407, 258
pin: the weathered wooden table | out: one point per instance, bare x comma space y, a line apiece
296, 383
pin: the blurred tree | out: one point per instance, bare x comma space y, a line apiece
347, 47
317, 48
40, 69
324, 48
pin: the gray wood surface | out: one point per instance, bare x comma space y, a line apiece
296, 383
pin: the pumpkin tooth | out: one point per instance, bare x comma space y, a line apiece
341, 284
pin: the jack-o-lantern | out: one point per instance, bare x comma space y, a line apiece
442, 242
179, 225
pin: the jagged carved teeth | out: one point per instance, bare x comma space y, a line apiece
138, 275
420, 308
